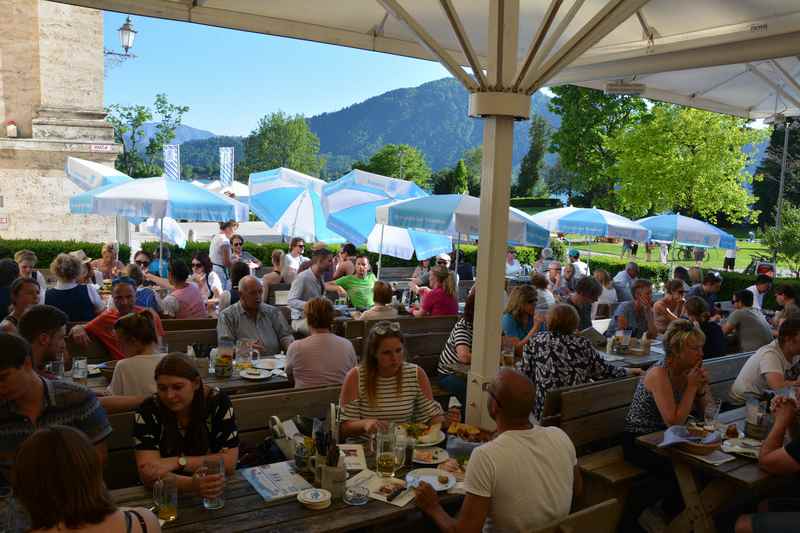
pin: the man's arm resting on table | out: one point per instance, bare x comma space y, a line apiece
470, 518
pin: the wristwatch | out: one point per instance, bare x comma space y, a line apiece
182, 462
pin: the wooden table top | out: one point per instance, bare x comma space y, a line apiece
98, 384
742, 471
246, 510
636, 361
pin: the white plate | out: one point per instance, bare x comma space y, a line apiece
746, 447
262, 374
269, 363
431, 477
433, 441
94, 370
439, 456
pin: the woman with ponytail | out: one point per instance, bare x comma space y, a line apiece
183, 424
133, 376
696, 310
441, 299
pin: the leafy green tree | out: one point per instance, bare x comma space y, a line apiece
588, 117
684, 160
280, 140
399, 161
138, 160
561, 181
769, 170
453, 180
460, 178
441, 181
531, 166
785, 242
473, 160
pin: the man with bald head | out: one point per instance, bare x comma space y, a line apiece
521, 480
249, 318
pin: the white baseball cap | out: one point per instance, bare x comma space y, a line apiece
443, 257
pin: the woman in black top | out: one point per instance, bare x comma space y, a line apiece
184, 423
696, 310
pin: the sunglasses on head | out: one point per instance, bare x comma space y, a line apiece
382, 328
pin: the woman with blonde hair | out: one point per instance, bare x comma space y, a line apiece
80, 302
109, 265
278, 274
442, 298
385, 388
520, 320
26, 260
559, 357
58, 478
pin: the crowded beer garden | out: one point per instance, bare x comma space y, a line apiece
361, 352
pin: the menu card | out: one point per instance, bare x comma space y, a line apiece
354, 458
379, 487
276, 481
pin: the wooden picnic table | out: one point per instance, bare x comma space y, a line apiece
246, 510
727, 479
635, 361
98, 384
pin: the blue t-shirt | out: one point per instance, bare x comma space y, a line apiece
155, 267
637, 323
512, 328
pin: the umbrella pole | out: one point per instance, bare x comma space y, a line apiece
161, 249
380, 252
458, 243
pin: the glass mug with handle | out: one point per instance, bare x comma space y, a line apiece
213, 467
165, 496
385, 458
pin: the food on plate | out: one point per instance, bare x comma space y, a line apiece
253, 372
392, 486
453, 466
424, 456
415, 429
732, 432
469, 433
443, 479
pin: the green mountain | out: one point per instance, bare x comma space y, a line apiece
432, 117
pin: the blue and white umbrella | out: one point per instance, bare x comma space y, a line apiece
591, 221
687, 231
457, 215
158, 198
90, 175
350, 203
291, 203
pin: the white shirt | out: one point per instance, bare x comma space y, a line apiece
752, 377
528, 474
134, 376
216, 249
581, 269
514, 268
730, 253
212, 280
758, 298
295, 262
608, 296
94, 296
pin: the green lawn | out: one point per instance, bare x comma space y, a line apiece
714, 256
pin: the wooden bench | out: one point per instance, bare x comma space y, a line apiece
408, 325
600, 518
177, 341
396, 273
252, 412
593, 416
181, 324
276, 287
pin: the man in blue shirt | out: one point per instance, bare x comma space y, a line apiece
29, 402
712, 283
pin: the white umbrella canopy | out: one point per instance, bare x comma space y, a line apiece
632, 40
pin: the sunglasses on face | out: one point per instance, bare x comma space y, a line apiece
237, 244
142, 263
197, 265
441, 263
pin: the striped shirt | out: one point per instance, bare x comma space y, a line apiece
460, 336
408, 405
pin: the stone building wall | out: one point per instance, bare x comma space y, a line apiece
51, 85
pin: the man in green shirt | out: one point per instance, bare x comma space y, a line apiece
359, 285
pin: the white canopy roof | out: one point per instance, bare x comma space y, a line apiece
727, 44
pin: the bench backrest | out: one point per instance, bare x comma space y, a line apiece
408, 325
276, 287
252, 412
181, 324
396, 273
600, 518
179, 340
595, 412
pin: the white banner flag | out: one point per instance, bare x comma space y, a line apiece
226, 165
172, 161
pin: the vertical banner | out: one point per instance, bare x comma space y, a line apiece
226, 166
172, 161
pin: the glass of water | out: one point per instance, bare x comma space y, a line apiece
214, 467
57, 367
711, 412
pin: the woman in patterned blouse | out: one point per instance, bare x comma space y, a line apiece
559, 357
385, 388
183, 424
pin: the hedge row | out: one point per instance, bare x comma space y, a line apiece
46, 251
547, 203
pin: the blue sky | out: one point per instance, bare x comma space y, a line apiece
230, 79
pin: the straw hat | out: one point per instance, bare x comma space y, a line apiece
81, 256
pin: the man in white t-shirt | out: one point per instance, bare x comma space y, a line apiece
295, 257
761, 287
767, 368
581, 268
520, 481
513, 266
219, 251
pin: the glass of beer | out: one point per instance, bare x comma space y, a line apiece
385, 458
165, 496
80, 370
244, 354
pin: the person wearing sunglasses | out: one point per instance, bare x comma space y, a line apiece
670, 307
423, 284
294, 259
240, 255
385, 387
501, 474
205, 277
